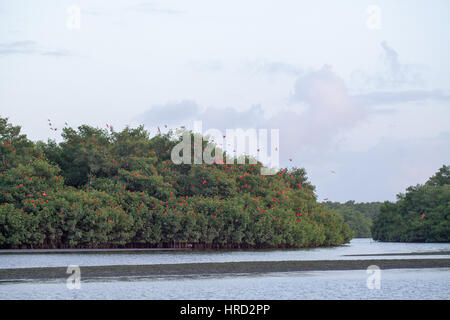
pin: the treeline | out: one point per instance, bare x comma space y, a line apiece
359, 216
102, 188
422, 214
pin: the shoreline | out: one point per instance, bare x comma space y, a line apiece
216, 268
87, 251
144, 250
424, 253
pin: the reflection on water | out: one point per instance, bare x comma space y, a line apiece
356, 246
395, 284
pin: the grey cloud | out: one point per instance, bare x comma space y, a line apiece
231, 118
149, 7
391, 60
185, 112
274, 68
171, 113
18, 47
29, 48
308, 86
280, 68
394, 97
56, 53
398, 83
382, 111
394, 74
398, 74
91, 12
213, 65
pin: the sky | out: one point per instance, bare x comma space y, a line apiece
359, 90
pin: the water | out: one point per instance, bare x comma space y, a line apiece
356, 246
395, 283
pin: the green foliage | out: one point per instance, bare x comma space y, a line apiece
422, 214
359, 216
101, 188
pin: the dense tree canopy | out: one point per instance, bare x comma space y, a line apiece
359, 216
422, 214
101, 188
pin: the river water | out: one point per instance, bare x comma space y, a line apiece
433, 283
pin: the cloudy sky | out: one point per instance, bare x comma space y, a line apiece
360, 88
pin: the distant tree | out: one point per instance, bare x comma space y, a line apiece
359, 216
422, 214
